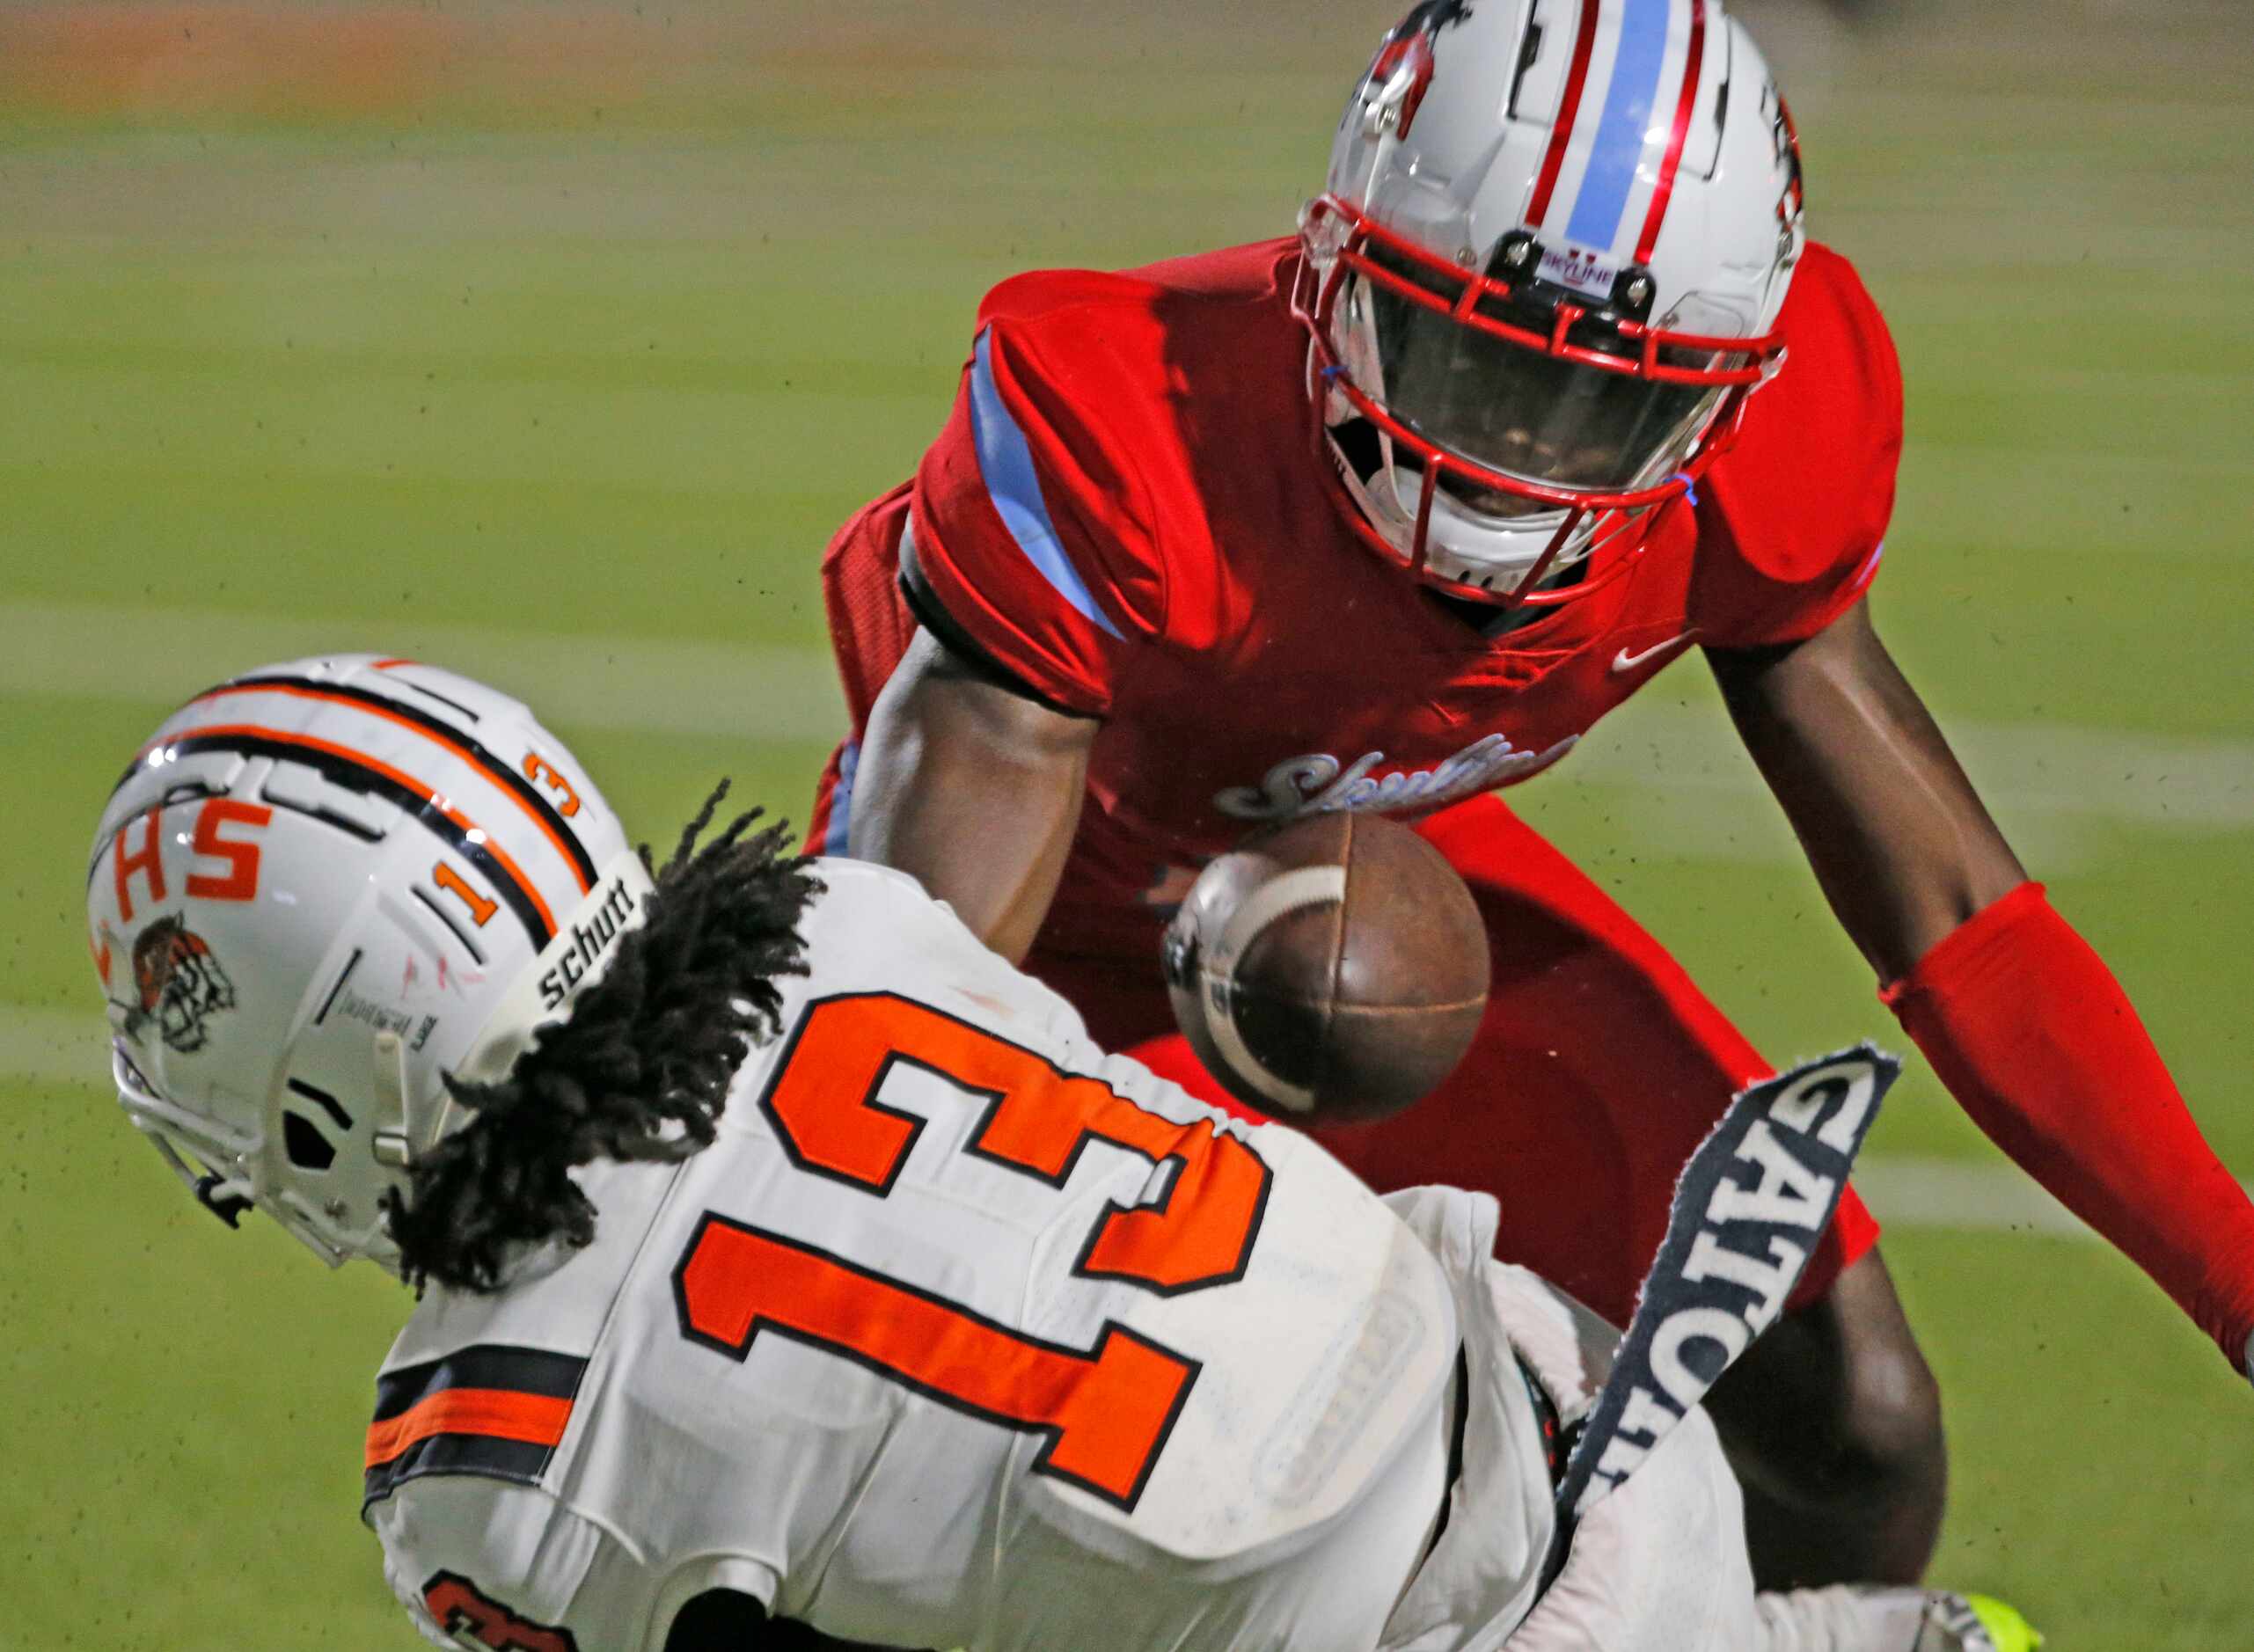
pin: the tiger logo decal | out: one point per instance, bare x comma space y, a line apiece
179, 983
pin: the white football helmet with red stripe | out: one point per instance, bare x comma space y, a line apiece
1543, 280
318, 887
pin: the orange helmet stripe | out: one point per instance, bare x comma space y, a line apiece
476, 756
474, 840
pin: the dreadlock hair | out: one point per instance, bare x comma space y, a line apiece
639, 1070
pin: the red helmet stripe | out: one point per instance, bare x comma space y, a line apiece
1684, 105
1569, 107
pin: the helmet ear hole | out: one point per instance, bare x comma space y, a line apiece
307, 1147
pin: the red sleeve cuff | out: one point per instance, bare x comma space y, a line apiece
1971, 951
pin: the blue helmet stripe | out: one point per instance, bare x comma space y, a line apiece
1624, 128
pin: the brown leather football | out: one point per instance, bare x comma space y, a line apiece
1331, 970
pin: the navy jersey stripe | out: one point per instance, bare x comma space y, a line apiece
524, 1371
479, 1454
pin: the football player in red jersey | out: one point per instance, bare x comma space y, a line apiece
1386, 516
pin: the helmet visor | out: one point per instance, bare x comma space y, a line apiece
1516, 408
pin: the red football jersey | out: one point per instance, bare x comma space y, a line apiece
1127, 512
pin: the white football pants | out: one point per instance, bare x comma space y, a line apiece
1660, 1565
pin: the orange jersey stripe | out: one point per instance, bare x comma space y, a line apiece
412, 727
500, 1413
483, 840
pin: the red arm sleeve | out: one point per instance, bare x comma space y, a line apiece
1029, 524
1792, 519
2029, 1029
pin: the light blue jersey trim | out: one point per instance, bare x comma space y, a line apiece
1006, 460
841, 800
1623, 130
1868, 570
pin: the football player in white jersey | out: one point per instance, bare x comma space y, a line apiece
793, 1259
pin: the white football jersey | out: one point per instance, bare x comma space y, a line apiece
963, 1333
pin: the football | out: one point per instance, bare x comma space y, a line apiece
1331, 970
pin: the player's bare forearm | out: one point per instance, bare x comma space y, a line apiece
973, 789
1901, 844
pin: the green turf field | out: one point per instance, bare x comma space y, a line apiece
553, 344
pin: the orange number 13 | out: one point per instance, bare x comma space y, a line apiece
1105, 1410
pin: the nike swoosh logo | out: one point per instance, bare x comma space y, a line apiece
1626, 662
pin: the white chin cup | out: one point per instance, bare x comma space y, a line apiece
1463, 546
1473, 548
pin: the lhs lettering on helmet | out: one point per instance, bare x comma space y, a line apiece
241, 880
241, 857
590, 941
1318, 782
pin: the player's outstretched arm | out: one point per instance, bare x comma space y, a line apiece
973, 787
2019, 1016
1902, 844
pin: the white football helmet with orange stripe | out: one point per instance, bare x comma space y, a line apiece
412, 844
1543, 280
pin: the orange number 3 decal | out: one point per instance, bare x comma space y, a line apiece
1106, 1410
538, 767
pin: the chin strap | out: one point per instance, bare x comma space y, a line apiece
228, 1207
